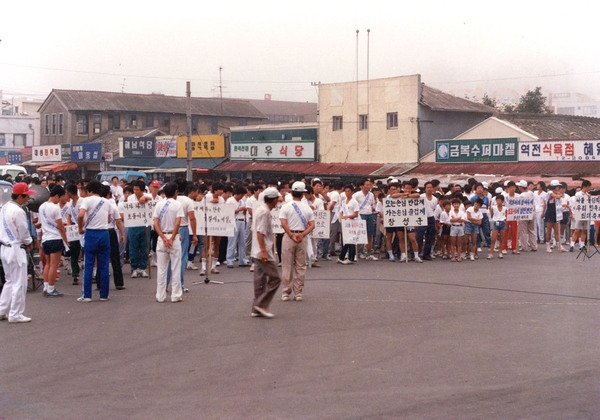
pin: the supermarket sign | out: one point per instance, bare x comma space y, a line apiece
476, 150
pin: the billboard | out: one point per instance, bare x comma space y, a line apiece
476, 150
205, 146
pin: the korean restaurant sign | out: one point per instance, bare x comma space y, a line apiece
267, 150
138, 147
568, 150
205, 146
476, 150
46, 153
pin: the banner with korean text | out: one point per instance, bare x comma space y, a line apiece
322, 224
476, 150
519, 208
136, 214
268, 150
398, 212
214, 219
354, 231
568, 150
585, 208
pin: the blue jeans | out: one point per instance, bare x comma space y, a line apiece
484, 231
238, 240
138, 247
97, 246
184, 232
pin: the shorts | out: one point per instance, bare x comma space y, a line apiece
499, 225
579, 224
565, 218
408, 229
391, 229
457, 231
446, 230
53, 246
471, 229
370, 219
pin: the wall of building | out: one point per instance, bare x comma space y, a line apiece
16, 132
375, 98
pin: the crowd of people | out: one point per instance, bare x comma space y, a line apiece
461, 221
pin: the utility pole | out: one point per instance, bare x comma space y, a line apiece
188, 130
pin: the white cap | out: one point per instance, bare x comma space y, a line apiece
554, 183
105, 183
271, 192
485, 185
299, 186
390, 178
394, 180
499, 190
506, 182
522, 183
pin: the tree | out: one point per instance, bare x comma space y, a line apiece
533, 102
486, 100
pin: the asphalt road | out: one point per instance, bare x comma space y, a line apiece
499, 339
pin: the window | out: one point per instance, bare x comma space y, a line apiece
392, 120
337, 123
149, 121
242, 122
82, 124
47, 124
61, 122
214, 126
195, 122
19, 140
97, 123
363, 122
132, 121
114, 121
2, 139
53, 124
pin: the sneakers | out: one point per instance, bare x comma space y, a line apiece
346, 261
54, 293
84, 299
3, 317
106, 299
285, 297
263, 312
418, 260
185, 290
135, 274
472, 257
143, 273
203, 272
76, 281
252, 268
22, 318
298, 298
490, 256
391, 258
371, 257
120, 287
504, 251
191, 266
500, 256
215, 271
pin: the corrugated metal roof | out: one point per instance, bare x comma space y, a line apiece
441, 101
82, 100
552, 168
555, 127
312, 168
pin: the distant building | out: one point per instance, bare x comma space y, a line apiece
285, 112
389, 120
574, 104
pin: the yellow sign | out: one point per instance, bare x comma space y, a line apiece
208, 146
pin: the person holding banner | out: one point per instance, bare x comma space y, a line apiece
74, 245
167, 217
512, 227
348, 211
138, 235
266, 276
54, 238
366, 203
580, 226
527, 230
553, 214
498, 215
297, 221
211, 243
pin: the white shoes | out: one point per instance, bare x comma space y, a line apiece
20, 319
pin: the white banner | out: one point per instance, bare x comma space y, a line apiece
275, 221
72, 233
214, 219
398, 212
267, 150
579, 150
354, 231
136, 214
586, 208
322, 224
46, 153
519, 208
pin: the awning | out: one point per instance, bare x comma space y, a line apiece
57, 167
164, 165
307, 168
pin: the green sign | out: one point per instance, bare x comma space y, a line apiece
476, 150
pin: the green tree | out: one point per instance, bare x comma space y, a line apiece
533, 102
486, 100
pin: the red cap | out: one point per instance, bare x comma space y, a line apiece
22, 188
155, 183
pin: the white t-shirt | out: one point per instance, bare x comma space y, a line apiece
366, 203
49, 214
167, 217
294, 221
430, 205
348, 208
474, 215
97, 210
187, 204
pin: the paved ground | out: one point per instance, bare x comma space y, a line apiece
516, 338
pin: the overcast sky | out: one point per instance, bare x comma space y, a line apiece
279, 48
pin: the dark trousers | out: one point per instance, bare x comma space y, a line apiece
115, 258
278, 242
427, 232
266, 283
75, 250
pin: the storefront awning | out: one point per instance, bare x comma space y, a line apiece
57, 167
164, 165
